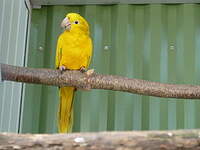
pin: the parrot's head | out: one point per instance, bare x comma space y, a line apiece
75, 22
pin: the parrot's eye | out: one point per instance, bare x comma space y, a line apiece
76, 22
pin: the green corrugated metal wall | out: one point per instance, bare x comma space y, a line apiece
153, 42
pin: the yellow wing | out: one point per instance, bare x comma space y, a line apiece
59, 51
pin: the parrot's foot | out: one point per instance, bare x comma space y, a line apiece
83, 69
62, 69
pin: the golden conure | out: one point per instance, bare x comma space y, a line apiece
74, 50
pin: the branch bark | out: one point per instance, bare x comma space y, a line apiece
98, 81
145, 140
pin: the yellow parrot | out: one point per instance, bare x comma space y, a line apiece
74, 51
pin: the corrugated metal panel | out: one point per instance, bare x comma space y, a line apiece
13, 24
152, 42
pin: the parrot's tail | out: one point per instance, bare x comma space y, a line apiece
65, 113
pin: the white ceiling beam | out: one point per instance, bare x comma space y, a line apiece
38, 3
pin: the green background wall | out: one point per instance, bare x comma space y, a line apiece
153, 42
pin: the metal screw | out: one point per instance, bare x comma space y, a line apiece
40, 48
172, 47
106, 47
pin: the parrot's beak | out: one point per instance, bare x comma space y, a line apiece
66, 24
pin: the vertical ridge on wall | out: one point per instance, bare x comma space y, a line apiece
156, 42
171, 31
179, 65
106, 47
189, 50
146, 67
154, 67
118, 64
197, 64
137, 14
164, 67
111, 100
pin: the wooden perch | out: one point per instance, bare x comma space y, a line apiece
140, 140
98, 81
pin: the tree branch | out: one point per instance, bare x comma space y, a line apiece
98, 81
145, 140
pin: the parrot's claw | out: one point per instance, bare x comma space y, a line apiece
62, 68
82, 69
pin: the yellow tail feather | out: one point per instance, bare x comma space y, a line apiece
65, 113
